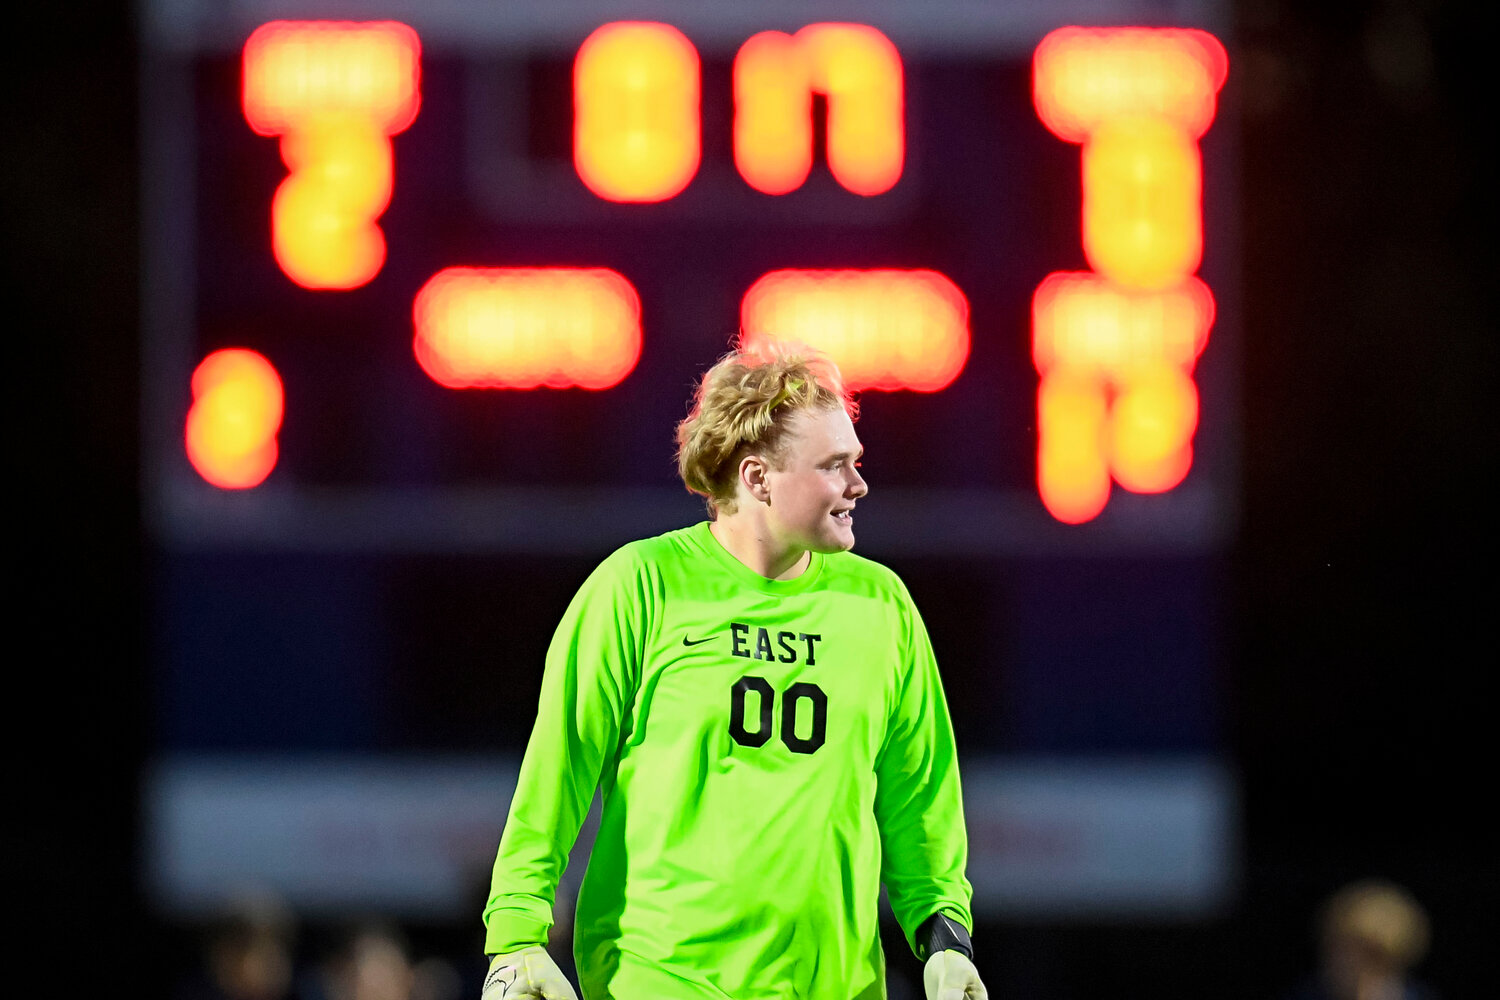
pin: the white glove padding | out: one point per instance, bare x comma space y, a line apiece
949, 975
528, 974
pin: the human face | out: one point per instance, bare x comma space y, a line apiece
812, 494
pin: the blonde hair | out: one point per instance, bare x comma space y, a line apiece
743, 404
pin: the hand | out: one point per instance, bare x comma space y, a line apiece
528, 974
949, 975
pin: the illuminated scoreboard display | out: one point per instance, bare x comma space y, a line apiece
440, 277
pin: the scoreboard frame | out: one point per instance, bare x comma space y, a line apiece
184, 512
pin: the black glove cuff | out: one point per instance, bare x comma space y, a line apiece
941, 932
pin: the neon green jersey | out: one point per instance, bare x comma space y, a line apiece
768, 753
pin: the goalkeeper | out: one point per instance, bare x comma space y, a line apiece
762, 714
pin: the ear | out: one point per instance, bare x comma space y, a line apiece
753, 469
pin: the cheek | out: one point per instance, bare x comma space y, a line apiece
829, 493
805, 500
808, 500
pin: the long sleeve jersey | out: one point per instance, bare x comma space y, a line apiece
768, 754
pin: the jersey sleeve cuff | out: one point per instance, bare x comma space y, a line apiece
941, 932
506, 933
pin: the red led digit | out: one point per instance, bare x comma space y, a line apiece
522, 328
886, 329
232, 424
636, 97
1116, 348
335, 92
857, 69
1117, 395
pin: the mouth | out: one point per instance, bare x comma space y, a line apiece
844, 515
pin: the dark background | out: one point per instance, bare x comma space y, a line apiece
1361, 570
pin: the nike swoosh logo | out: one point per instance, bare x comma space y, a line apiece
696, 642
498, 977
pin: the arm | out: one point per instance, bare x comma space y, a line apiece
918, 801
587, 685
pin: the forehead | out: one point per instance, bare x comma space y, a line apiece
816, 433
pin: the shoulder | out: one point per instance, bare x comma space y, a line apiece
848, 571
647, 558
631, 582
680, 544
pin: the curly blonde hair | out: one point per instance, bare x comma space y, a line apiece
744, 404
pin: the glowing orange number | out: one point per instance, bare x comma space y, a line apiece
775, 76
335, 92
520, 328
886, 329
1116, 347
232, 425
635, 126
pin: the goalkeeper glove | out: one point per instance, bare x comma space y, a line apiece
528, 974
949, 975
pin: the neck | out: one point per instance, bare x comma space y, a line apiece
746, 537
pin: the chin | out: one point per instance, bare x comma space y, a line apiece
837, 543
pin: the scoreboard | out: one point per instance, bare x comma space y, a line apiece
439, 277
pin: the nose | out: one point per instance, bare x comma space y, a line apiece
856, 487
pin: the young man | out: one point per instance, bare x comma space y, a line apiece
762, 713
